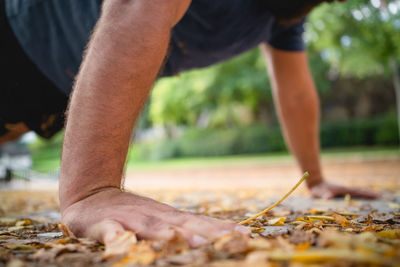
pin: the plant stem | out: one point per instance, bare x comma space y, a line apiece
305, 175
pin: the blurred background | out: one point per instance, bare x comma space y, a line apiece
223, 116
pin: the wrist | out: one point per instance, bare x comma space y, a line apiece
69, 198
314, 179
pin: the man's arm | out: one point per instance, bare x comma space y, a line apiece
124, 55
297, 105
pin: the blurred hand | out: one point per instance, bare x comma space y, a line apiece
104, 214
327, 191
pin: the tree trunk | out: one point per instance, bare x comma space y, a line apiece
396, 83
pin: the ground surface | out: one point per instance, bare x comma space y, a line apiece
301, 231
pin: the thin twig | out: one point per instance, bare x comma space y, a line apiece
305, 175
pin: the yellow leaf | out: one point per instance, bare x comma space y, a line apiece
327, 255
303, 246
23, 222
256, 230
317, 212
316, 218
19, 227
392, 233
277, 221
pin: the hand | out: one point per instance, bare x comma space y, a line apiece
327, 191
104, 214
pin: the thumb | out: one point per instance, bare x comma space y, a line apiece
105, 231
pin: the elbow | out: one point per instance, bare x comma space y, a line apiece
157, 12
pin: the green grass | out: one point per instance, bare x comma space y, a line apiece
270, 158
46, 157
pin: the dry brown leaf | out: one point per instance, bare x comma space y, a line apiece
46, 255
259, 244
341, 220
177, 244
19, 246
196, 257
257, 259
234, 243
121, 244
141, 253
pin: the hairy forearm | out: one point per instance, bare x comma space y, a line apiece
297, 106
122, 61
299, 116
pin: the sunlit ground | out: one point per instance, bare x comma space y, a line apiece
232, 189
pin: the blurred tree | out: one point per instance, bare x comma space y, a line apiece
215, 96
359, 38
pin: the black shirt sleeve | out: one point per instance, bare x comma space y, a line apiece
288, 37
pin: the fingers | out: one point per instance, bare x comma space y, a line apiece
195, 229
322, 192
193, 239
329, 191
105, 231
210, 227
364, 193
150, 227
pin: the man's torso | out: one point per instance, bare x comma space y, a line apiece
54, 33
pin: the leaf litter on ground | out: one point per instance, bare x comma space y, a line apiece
299, 231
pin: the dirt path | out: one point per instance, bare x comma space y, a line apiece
371, 173
272, 177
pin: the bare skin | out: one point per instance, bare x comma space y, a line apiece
297, 105
123, 57
122, 61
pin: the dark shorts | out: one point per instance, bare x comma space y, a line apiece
26, 95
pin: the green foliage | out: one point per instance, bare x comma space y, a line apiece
381, 131
216, 142
361, 132
46, 154
358, 37
216, 90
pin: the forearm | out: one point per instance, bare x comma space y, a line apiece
297, 105
299, 117
122, 61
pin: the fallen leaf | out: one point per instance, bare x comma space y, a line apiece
257, 259
341, 220
317, 218
46, 255
19, 227
25, 222
19, 246
234, 243
259, 244
121, 244
391, 233
141, 253
277, 221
